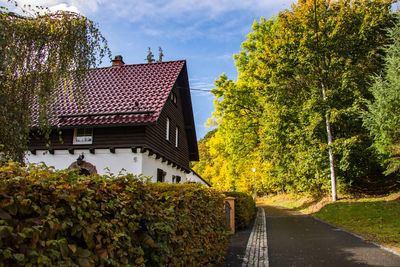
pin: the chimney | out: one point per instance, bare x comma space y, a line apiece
117, 61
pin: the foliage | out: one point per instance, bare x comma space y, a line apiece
273, 117
373, 219
37, 50
245, 209
383, 116
58, 218
160, 54
150, 56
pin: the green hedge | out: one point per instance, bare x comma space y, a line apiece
245, 209
58, 218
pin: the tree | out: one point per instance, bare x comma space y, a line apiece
334, 68
150, 56
299, 72
38, 50
160, 54
383, 116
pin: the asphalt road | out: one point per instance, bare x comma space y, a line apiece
300, 240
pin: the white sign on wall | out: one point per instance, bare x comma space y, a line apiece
83, 136
83, 140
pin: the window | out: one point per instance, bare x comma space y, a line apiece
174, 99
161, 175
176, 179
167, 130
176, 137
83, 136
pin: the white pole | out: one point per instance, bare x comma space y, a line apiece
255, 188
329, 135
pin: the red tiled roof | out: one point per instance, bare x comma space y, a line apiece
129, 94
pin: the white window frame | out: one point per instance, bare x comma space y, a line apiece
174, 98
177, 136
167, 129
83, 136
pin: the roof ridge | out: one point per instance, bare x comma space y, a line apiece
139, 64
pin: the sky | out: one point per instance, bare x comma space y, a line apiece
206, 33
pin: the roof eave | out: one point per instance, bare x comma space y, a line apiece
96, 125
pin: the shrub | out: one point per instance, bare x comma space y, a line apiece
245, 209
60, 218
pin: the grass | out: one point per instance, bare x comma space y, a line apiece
376, 219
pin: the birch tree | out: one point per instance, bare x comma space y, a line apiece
38, 49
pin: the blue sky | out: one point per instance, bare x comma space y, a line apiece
207, 33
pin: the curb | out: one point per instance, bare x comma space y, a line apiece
257, 246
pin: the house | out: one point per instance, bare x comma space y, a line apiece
137, 118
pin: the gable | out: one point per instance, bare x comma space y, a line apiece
126, 95
184, 90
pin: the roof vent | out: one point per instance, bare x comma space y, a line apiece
117, 61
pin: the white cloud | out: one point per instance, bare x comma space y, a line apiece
200, 88
64, 7
221, 18
85, 6
136, 10
201, 83
225, 57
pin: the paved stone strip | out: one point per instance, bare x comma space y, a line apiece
257, 247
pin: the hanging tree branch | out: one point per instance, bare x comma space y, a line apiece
39, 49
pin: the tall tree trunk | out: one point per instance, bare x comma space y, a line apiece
329, 134
327, 116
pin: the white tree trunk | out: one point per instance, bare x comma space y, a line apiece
331, 160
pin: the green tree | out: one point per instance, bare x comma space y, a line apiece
383, 116
38, 49
300, 71
333, 84
160, 54
150, 56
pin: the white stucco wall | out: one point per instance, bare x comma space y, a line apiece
193, 177
151, 164
136, 163
102, 159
